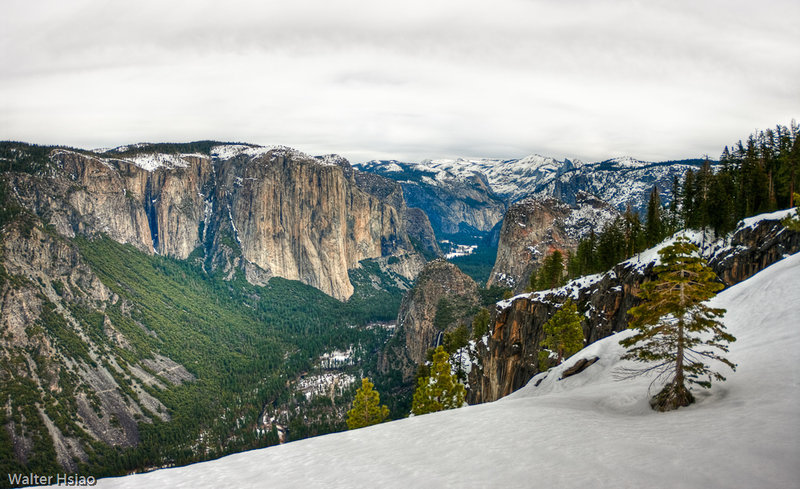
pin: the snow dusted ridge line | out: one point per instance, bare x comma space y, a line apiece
152, 161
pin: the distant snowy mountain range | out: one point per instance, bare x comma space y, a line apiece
619, 181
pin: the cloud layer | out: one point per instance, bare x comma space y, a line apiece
408, 80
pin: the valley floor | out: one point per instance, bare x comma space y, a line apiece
585, 431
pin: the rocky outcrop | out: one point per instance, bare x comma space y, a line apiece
265, 211
534, 228
755, 244
420, 232
509, 358
442, 299
59, 377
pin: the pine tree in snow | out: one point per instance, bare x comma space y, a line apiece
677, 332
563, 332
367, 409
441, 390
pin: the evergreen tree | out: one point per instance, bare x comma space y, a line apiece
634, 233
367, 409
654, 228
441, 390
702, 190
674, 221
480, 325
563, 333
676, 331
584, 261
532, 281
721, 204
453, 342
793, 223
456, 339
688, 200
611, 245
551, 274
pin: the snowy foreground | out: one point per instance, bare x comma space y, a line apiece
585, 431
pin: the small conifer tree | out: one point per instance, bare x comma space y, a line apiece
480, 325
367, 409
441, 390
793, 223
563, 333
677, 332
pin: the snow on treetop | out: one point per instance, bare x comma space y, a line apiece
228, 151
332, 160
152, 161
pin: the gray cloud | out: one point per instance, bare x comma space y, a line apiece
411, 80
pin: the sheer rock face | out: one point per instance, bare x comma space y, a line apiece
509, 358
536, 227
267, 212
440, 285
301, 220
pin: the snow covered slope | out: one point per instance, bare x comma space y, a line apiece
585, 431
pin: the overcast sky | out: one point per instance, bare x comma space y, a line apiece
405, 80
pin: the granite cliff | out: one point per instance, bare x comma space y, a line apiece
535, 227
442, 299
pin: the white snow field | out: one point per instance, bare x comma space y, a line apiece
587, 431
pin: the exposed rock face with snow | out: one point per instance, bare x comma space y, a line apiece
300, 220
441, 300
267, 211
536, 227
757, 243
510, 358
